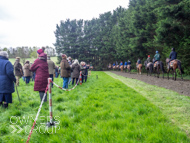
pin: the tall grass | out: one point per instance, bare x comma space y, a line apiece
101, 110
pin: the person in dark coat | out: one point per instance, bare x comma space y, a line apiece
7, 78
56, 71
65, 71
18, 70
76, 71
40, 67
86, 71
27, 72
173, 55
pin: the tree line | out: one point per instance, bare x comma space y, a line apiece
27, 52
136, 32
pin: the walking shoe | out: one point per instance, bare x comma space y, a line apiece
5, 105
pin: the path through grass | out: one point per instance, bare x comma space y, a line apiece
101, 110
175, 106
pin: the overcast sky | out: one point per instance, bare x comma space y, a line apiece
33, 22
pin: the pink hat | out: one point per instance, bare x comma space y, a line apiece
64, 56
40, 51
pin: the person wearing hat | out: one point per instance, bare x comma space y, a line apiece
148, 59
7, 79
51, 68
173, 55
65, 71
18, 70
27, 72
156, 57
138, 62
40, 67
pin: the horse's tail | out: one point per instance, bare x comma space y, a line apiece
162, 67
151, 68
179, 65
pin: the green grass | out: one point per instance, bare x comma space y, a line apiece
12, 60
101, 110
171, 103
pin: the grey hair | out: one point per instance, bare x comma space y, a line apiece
4, 54
76, 61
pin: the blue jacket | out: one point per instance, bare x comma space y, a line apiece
139, 61
129, 63
121, 64
125, 63
114, 64
173, 55
6, 76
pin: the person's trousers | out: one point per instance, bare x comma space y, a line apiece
27, 78
51, 76
17, 80
85, 77
65, 82
42, 95
56, 74
82, 78
74, 80
69, 80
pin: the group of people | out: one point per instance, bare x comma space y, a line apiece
42, 69
172, 56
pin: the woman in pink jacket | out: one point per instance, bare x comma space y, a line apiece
40, 66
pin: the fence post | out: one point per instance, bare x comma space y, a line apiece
51, 123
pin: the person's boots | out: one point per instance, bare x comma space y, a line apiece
5, 105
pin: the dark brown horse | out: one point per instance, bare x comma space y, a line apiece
173, 65
158, 65
148, 67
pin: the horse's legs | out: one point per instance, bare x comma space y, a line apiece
168, 73
175, 74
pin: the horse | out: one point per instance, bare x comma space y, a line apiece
109, 67
174, 64
139, 68
129, 68
148, 67
121, 67
157, 66
117, 67
125, 68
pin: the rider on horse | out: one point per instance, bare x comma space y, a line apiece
121, 63
129, 62
148, 59
156, 57
125, 63
138, 62
173, 56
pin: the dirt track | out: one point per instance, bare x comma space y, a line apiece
182, 87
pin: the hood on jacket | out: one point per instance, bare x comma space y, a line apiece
43, 56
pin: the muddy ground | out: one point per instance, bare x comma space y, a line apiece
182, 87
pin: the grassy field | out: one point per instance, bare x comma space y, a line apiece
101, 110
12, 60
